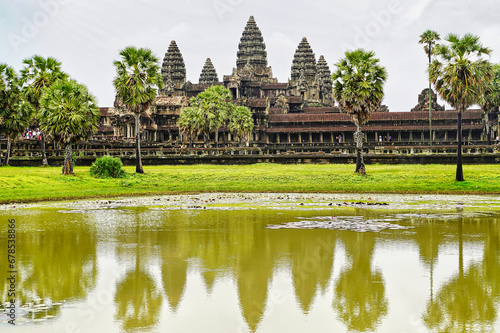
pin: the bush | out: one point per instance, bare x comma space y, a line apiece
106, 167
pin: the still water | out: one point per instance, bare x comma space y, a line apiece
211, 263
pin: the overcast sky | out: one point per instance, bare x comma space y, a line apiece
86, 35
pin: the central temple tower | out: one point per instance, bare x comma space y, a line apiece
251, 64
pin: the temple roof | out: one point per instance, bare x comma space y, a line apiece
173, 67
304, 61
379, 117
251, 49
208, 74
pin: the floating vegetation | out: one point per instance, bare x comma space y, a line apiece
351, 223
33, 312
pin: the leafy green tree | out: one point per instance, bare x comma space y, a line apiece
359, 90
429, 38
189, 123
240, 122
214, 108
69, 114
38, 74
491, 99
15, 112
137, 82
461, 76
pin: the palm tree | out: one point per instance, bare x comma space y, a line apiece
189, 123
69, 114
240, 122
15, 112
358, 87
491, 99
137, 82
429, 38
214, 108
461, 76
38, 74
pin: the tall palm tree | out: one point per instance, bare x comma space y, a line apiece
461, 76
240, 122
38, 74
137, 81
429, 38
69, 113
358, 88
15, 112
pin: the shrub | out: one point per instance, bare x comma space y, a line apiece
106, 167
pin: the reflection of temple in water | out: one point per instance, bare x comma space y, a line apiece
237, 250
299, 111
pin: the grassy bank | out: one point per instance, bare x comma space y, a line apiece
24, 184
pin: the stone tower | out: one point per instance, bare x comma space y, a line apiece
304, 63
252, 56
305, 76
325, 82
173, 71
208, 74
423, 101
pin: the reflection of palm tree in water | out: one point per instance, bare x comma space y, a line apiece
138, 301
360, 291
311, 254
466, 302
59, 263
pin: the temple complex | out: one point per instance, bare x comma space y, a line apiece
299, 112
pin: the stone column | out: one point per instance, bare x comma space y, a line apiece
278, 139
310, 137
321, 137
288, 138
300, 137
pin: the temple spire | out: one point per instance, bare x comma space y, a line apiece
208, 74
252, 49
304, 62
173, 69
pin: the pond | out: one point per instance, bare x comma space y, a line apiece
253, 263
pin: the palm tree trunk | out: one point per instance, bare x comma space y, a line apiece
7, 153
460, 174
358, 138
138, 165
430, 100
44, 155
68, 161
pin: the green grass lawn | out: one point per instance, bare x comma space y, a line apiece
24, 184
